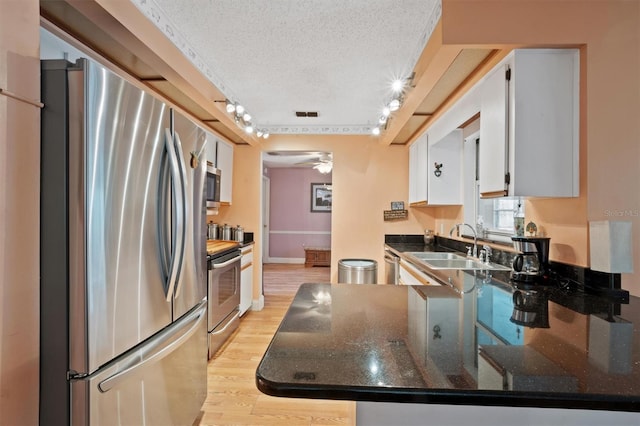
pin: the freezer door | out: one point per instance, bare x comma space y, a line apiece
162, 382
117, 298
191, 285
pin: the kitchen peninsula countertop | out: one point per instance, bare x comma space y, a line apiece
454, 344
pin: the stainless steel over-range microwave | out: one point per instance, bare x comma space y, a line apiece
213, 186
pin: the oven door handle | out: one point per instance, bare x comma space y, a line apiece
228, 262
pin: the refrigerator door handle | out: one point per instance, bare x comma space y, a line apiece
163, 226
159, 346
182, 231
177, 243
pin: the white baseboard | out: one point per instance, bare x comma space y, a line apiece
258, 304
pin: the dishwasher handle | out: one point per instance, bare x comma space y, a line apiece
392, 267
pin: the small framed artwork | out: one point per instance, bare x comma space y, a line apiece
321, 197
397, 205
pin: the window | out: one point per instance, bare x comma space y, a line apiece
496, 214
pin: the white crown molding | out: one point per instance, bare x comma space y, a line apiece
318, 130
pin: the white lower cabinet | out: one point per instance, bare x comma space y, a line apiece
434, 332
246, 278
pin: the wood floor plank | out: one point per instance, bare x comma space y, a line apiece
233, 398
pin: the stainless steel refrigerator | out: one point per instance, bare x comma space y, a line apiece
123, 254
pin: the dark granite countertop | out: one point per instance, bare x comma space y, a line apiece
474, 341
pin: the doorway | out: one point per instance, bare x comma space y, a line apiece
296, 204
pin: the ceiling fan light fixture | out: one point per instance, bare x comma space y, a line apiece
324, 167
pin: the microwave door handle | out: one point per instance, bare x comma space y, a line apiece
176, 188
182, 228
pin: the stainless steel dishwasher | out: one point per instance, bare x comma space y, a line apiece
391, 267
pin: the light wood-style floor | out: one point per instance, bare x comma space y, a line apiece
233, 398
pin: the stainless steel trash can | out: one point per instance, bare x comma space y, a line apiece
357, 271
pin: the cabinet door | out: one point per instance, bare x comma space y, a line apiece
246, 280
445, 187
224, 162
210, 148
493, 156
544, 122
418, 153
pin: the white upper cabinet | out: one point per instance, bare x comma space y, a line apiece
224, 162
220, 154
445, 170
529, 125
210, 148
418, 162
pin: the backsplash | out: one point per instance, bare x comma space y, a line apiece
572, 276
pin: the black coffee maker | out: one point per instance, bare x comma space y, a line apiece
532, 263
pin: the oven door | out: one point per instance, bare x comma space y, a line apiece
224, 298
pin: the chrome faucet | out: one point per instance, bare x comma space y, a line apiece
487, 253
475, 236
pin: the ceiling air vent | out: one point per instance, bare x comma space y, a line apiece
306, 113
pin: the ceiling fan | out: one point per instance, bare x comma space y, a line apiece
321, 161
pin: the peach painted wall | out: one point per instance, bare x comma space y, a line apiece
246, 207
367, 176
292, 224
19, 213
609, 31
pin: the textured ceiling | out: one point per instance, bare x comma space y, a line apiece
335, 57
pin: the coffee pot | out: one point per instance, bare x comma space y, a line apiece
532, 262
530, 308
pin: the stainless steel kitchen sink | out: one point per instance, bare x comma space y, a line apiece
468, 264
433, 255
444, 260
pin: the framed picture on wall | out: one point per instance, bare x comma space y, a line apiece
321, 197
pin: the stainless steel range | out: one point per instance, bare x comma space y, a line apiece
224, 297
